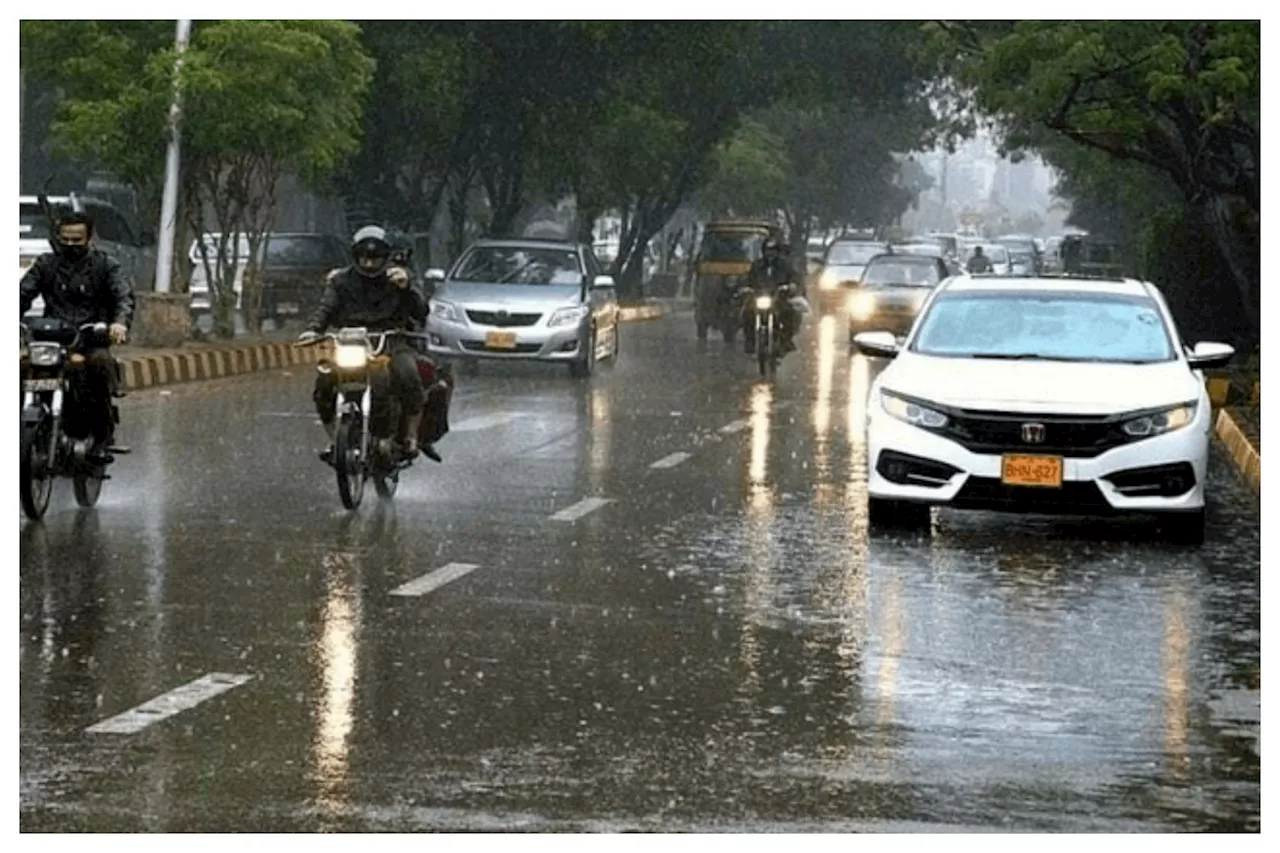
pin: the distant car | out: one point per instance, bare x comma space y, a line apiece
892, 289
1041, 395
841, 269
293, 272
1025, 253
543, 300
133, 247
929, 249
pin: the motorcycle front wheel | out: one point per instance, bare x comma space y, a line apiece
35, 470
87, 485
348, 461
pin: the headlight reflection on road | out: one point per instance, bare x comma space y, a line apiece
335, 655
601, 435
1177, 665
761, 414
892, 628
826, 369
859, 389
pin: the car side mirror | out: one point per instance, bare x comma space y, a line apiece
1210, 355
877, 344
435, 274
603, 282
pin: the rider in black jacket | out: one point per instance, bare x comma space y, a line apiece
372, 294
770, 272
79, 285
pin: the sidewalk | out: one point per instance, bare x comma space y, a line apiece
194, 361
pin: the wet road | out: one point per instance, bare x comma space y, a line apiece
714, 643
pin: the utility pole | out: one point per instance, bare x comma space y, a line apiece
169, 202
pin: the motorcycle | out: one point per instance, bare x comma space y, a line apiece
767, 328
55, 432
358, 455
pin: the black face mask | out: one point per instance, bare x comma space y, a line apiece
72, 253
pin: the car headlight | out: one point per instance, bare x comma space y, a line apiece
862, 306
912, 413
568, 316
446, 310
1159, 423
829, 280
44, 355
350, 356
764, 303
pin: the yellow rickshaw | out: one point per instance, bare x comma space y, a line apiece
729, 248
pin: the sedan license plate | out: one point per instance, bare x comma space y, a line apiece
1039, 471
500, 340
41, 384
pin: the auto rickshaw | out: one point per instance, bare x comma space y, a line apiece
1092, 256
729, 248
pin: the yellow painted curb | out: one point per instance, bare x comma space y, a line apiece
1247, 459
1218, 390
648, 312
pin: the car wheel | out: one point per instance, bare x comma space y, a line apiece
884, 514
617, 342
1184, 528
586, 365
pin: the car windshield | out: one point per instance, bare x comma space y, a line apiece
899, 271
519, 265
32, 224
723, 246
852, 254
1055, 326
301, 252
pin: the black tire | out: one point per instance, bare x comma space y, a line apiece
764, 354
347, 462
386, 486
34, 473
584, 367
87, 485
884, 514
1184, 528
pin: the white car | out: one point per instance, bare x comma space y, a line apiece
1040, 395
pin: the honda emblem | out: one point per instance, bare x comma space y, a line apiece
1033, 433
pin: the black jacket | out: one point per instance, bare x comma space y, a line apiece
350, 299
90, 290
770, 276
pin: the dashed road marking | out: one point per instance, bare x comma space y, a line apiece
485, 421
736, 426
434, 580
581, 508
169, 704
671, 461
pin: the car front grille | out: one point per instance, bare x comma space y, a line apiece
502, 319
990, 493
520, 349
1076, 436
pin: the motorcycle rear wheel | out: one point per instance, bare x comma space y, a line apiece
87, 485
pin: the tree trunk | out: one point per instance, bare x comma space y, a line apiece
458, 193
1239, 250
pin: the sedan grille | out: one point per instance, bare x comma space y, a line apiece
1076, 436
990, 493
520, 349
502, 319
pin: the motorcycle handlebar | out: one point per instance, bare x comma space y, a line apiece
369, 336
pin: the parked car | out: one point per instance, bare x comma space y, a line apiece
892, 290
1041, 395
544, 300
133, 247
293, 273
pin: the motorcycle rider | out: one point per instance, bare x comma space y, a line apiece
979, 263
81, 284
376, 295
767, 274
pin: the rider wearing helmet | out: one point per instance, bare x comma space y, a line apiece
770, 272
374, 294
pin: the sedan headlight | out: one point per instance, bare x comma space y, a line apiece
1159, 423
350, 356
568, 316
44, 355
829, 280
912, 413
862, 306
446, 310
764, 303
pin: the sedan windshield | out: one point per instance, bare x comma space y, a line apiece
852, 254
1052, 326
32, 223
900, 271
519, 265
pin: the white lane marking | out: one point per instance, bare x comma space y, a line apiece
435, 579
736, 426
168, 704
671, 461
581, 508
311, 415
485, 421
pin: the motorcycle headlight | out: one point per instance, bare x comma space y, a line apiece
862, 306
44, 355
764, 303
445, 310
350, 356
912, 413
568, 316
1159, 423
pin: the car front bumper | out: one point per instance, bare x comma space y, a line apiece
533, 343
970, 480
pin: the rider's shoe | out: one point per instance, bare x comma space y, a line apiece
326, 455
431, 453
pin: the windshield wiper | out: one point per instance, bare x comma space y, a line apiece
1021, 356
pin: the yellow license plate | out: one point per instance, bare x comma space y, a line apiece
1042, 471
500, 340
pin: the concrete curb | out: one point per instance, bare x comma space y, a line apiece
1247, 459
169, 368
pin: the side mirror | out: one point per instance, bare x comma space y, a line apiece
603, 281
435, 274
1209, 355
877, 344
